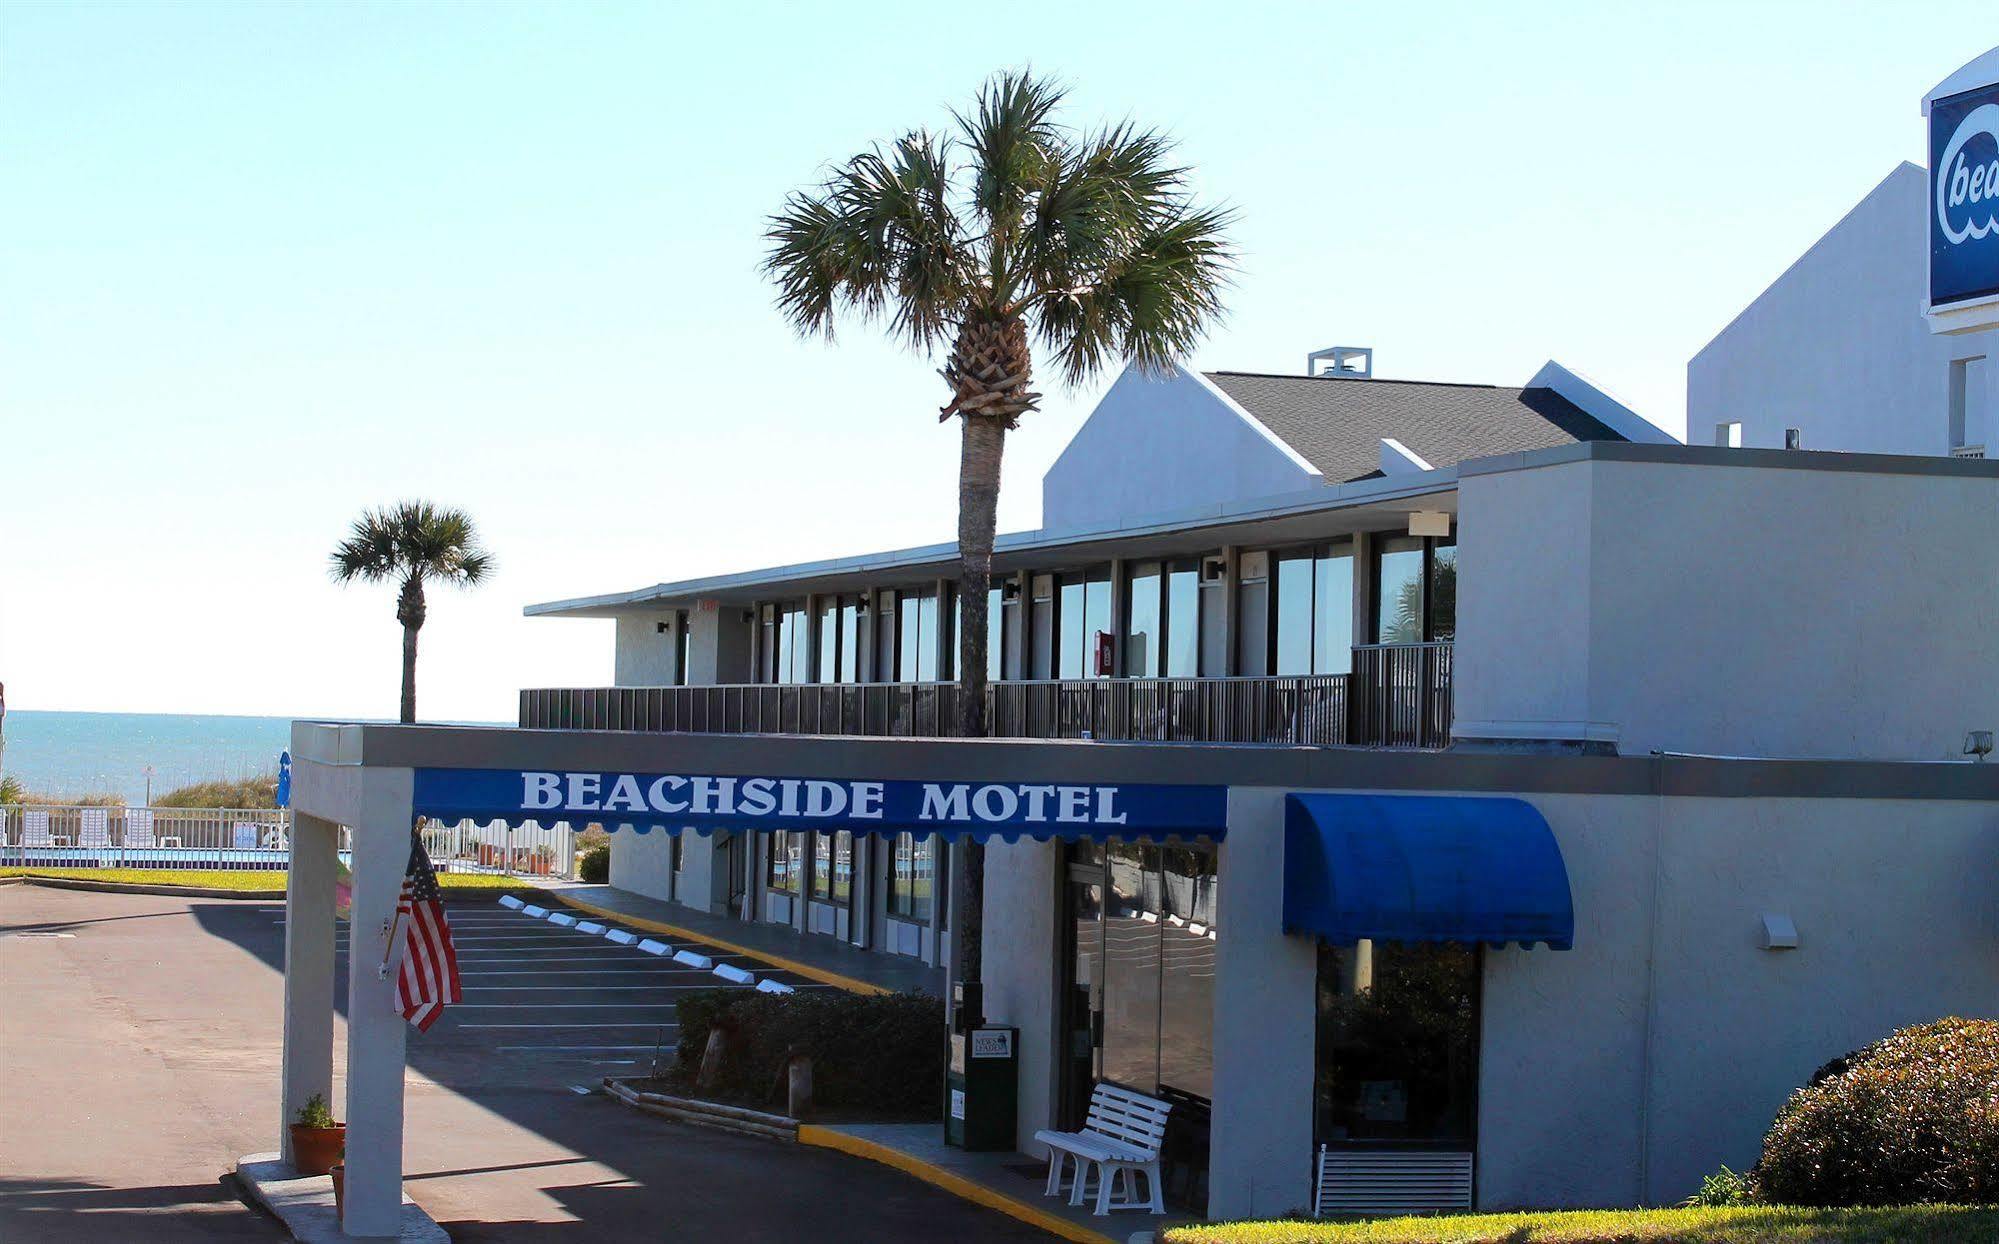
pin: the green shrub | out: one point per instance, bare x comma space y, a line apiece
1909, 1119
594, 865
1724, 1187
875, 1054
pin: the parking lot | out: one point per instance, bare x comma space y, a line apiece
140, 1045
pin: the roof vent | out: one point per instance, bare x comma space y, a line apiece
1341, 362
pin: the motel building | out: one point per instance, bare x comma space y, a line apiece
1468, 792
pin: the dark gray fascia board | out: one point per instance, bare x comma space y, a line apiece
1714, 455
1076, 761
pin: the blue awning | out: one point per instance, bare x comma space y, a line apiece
1424, 868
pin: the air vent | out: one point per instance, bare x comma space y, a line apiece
1341, 363
1355, 1182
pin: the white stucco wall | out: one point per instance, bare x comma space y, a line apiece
1739, 609
1837, 346
1175, 437
1022, 890
642, 863
646, 656
1659, 1047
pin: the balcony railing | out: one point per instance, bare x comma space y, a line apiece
1398, 695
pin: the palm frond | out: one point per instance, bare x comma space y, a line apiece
1015, 146
412, 538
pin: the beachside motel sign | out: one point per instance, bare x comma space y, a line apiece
708, 801
1963, 200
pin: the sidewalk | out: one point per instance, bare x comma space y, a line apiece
1009, 1182
810, 955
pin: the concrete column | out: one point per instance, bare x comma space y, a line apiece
309, 938
1266, 1014
375, 1028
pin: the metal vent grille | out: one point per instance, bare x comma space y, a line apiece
1387, 1181
1968, 451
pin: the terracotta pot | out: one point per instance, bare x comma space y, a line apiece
316, 1149
339, 1173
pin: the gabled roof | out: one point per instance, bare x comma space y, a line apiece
1337, 424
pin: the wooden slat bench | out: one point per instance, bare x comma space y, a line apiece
1120, 1138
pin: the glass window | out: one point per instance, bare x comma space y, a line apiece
1041, 640
1131, 969
1187, 961
1398, 590
1444, 590
917, 615
680, 678
1294, 612
833, 866
996, 634
1144, 634
1183, 620
786, 861
849, 642
1397, 1042
1074, 657
1097, 600
829, 642
910, 879
1332, 610
886, 669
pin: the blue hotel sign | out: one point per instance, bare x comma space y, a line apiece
707, 802
1964, 196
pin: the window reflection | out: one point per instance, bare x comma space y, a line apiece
1397, 1042
1398, 597
1183, 620
1144, 649
1444, 590
912, 878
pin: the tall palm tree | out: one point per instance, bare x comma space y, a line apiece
412, 543
1005, 231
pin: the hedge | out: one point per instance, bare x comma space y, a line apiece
593, 866
875, 1054
1912, 1118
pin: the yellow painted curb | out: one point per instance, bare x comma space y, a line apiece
806, 970
956, 1185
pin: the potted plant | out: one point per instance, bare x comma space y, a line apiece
317, 1141
339, 1172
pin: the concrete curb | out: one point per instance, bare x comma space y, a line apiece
304, 1203
705, 1113
951, 1182
808, 971
136, 887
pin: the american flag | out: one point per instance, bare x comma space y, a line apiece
428, 980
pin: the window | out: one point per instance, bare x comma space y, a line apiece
1314, 614
1084, 604
916, 615
1398, 590
785, 651
1728, 435
850, 643
1970, 404
833, 867
996, 634
1183, 619
1144, 631
829, 642
911, 878
1041, 629
1397, 1043
786, 862
680, 639
1443, 590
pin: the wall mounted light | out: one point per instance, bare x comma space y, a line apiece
1779, 932
1978, 744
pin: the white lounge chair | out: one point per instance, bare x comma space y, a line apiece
244, 836
139, 828
35, 829
93, 829
1120, 1139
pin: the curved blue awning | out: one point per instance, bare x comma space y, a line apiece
1424, 868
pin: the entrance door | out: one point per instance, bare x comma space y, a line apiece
1083, 989
737, 862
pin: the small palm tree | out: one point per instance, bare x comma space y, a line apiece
412, 543
1006, 231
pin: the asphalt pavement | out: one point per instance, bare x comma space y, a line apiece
139, 1047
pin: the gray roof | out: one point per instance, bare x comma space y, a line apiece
1337, 424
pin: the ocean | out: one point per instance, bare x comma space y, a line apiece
71, 754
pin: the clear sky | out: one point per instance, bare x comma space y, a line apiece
264, 265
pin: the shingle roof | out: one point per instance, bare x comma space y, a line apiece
1337, 424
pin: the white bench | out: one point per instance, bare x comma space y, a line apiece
1120, 1138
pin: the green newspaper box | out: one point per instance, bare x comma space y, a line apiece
982, 1089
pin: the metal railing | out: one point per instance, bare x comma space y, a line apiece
1397, 695
234, 839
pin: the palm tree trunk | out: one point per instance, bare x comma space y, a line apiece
981, 449
410, 612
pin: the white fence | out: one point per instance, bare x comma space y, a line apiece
52, 836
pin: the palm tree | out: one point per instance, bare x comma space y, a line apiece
412, 543
1005, 231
